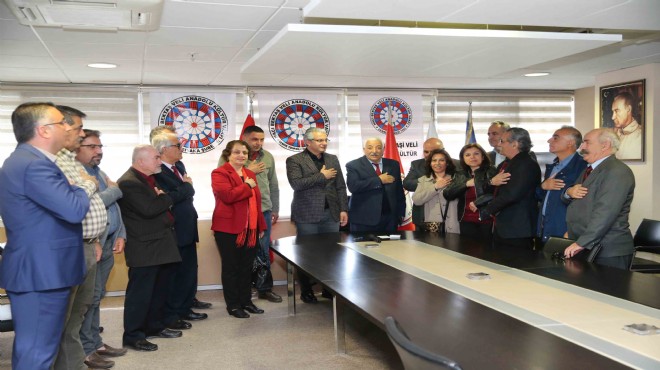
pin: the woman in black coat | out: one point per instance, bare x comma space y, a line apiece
470, 185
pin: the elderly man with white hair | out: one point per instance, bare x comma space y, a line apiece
600, 203
377, 199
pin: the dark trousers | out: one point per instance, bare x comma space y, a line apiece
236, 270
477, 231
524, 243
145, 300
387, 223
183, 285
38, 325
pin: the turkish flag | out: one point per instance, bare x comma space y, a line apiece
392, 152
249, 121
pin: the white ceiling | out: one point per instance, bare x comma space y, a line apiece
263, 43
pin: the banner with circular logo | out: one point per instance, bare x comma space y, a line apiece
200, 122
394, 109
290, 119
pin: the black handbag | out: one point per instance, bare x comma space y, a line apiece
262, 279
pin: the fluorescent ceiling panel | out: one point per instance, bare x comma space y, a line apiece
413, 52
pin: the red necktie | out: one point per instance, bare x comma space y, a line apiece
377, 168
176, 172
587, 172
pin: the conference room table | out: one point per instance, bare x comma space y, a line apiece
475, 327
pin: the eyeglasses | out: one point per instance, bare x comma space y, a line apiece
178, 146
321, 141
93, 146
62, 122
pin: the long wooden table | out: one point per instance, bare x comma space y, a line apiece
472, 333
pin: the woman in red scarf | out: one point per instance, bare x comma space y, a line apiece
238, 223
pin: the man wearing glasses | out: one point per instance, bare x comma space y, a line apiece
72, 354
320, 202
175, 182
42, 214
113, 240
514, 204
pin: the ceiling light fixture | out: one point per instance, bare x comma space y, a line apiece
536, 74
102, 65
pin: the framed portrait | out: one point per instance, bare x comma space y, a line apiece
622, 108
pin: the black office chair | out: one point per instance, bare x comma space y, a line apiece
647, 239
413, 356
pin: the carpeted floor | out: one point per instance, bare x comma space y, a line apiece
272, 340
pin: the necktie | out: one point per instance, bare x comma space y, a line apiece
176, 172
587, 172
377, 168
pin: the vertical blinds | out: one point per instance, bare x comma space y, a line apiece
116, 112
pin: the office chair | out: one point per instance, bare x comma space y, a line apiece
413, 356
647, 239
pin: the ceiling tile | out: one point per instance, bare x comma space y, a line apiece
183, 53
189, 36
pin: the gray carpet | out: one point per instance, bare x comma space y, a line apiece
272, 340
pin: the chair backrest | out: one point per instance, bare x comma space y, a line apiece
412, 355
648, 234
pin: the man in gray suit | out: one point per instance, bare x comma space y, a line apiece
320, 202
600, 203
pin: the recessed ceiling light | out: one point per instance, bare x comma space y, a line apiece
537, 74
102, 65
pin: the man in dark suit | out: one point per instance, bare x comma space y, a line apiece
151, 250
320, 202
42, 214
514, 203
599, 204
176, 183
377, 199
562, 171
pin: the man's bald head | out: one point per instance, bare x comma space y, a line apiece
432, 144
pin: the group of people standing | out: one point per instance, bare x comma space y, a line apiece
55, 270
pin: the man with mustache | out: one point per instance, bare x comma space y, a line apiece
377, 201
599, 203
113, 240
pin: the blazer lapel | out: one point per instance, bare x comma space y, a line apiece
309, 162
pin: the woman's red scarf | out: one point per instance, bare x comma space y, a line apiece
250, 231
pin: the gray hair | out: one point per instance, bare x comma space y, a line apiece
501, 124
161, 129
139, 152
521, 136
608, 135
24, 119
364, 144
162, 140
574, 134
309, 134
70, 112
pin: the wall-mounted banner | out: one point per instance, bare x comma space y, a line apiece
201, 120
288, 116
405, 113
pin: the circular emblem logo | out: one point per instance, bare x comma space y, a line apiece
200, 123
393, 107
292, 118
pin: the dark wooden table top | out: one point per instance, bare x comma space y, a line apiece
474, 335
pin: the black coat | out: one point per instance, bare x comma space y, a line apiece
457, 188
185, 214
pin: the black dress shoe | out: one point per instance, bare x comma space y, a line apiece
194, 316
326, 294
142, 345
180, 325
308, 297
239, 313
166, 333
270, 296
201, 305
251, 308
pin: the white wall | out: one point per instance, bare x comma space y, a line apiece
646, 203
